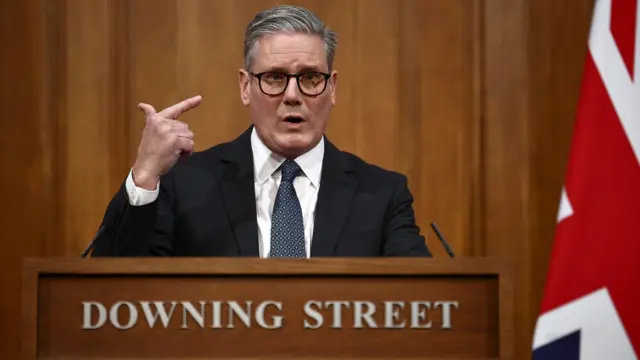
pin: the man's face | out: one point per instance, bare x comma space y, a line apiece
293, 122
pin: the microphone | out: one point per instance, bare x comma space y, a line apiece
442, 240
86, 251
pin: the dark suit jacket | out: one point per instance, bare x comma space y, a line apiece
206, 207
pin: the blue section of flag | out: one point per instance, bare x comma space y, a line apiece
565, 348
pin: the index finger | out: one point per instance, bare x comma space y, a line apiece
174, 111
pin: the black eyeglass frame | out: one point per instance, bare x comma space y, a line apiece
289, 76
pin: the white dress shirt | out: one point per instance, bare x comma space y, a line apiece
266, 183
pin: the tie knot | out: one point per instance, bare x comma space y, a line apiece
290, 170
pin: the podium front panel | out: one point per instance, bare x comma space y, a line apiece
268, 309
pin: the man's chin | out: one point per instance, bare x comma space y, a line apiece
295, 144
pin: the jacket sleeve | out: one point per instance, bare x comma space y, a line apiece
402, 235
145, 230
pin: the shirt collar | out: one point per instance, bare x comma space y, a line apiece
266, 162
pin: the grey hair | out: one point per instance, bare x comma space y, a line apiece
287, 19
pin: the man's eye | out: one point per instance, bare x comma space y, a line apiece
312, 77
275, 77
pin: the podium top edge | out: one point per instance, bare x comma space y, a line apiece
255, 266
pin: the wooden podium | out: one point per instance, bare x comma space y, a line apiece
238, 308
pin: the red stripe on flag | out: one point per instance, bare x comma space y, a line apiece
623, 24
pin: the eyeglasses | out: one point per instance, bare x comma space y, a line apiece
274, 83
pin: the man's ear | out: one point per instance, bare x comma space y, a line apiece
333, 81
244, 81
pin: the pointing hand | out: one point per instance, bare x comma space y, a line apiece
164, 140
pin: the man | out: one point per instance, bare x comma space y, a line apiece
281, 189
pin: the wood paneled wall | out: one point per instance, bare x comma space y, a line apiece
472, 99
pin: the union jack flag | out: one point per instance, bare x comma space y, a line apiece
591, 305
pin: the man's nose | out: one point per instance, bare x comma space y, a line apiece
292, 93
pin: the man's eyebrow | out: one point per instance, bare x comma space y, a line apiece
275, 69
306, 68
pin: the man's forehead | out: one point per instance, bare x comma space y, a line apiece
291, 49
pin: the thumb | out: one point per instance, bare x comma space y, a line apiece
148, 109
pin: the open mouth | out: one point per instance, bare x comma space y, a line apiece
294, 119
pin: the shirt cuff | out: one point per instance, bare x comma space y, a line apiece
139, 196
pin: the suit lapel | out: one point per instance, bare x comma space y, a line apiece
337, 188
238, 193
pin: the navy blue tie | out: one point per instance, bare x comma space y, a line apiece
287, 227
